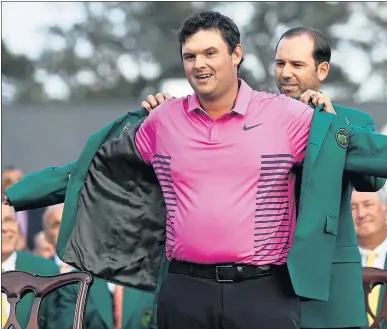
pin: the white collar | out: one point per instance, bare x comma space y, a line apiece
57, 260
379, 250
10, 263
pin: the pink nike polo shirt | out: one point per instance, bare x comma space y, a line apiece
227, 184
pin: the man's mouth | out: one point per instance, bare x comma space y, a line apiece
288, 85
7, 237
363, 222
203, 76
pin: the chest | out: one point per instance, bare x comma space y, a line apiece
235, 145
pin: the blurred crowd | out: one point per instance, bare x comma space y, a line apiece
37, 230
29, 244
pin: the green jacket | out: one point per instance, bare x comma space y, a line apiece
138, 308
344, 286
47, 312
316, 230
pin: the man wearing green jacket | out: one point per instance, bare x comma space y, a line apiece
370, 219
54, 179
13, 260
301, 66
294, 75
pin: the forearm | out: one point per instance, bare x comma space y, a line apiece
367, 153
366, 183
41, 189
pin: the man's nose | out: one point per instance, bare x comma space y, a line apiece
287, 72
362, 212
4, 227
199, 63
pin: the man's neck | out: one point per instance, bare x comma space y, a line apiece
373, 242
215, 108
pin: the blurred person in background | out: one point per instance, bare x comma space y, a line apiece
10, 176
22, 244
30, 221
42, 247
301, 66
52, 218
370, 219
12, 260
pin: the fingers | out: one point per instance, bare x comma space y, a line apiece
160, 99
312, 96
152, 102
316, 99
306, 96
167, 96
146, 106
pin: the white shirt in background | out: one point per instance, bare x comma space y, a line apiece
8, 265
380, 251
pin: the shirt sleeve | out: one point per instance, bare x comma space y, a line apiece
299, 121
146, 138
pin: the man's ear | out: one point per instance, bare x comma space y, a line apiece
237, 54
322, 71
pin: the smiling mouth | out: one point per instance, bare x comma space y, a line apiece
288, 85
203, 76
362, 223
7, 237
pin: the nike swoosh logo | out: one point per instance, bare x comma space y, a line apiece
245, 128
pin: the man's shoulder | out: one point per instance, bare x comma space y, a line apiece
171, 106
263, 96
275, 99
354, 115
340, 109
280, 105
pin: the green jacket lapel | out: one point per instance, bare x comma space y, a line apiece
103, 301
23, 308
318, 130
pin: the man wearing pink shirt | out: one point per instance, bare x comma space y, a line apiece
301, 66
229, 198
230, 204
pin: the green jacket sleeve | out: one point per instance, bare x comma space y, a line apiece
366, 183
367, 152
48, 187
41, 189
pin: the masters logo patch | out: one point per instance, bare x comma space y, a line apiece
146, 318
342, 137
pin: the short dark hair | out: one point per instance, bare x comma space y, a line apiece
210, 20
321, 49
